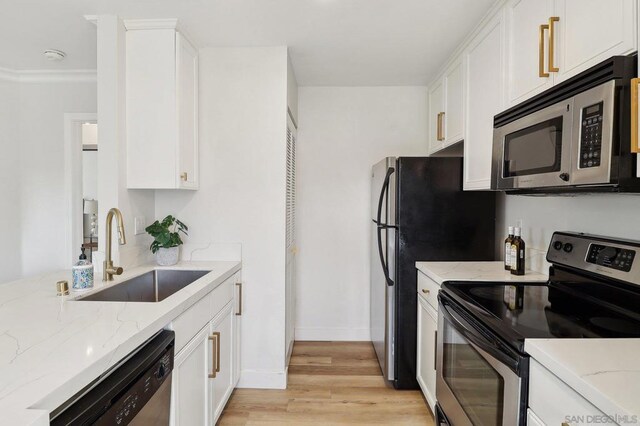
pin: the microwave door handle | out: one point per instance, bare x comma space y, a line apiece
500, 352
381, 226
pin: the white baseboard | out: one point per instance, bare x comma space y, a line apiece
325, 334
260, 379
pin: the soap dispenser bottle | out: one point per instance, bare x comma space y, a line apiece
82, 273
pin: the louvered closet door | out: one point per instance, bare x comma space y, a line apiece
290, 237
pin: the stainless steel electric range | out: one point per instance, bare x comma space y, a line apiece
482, 368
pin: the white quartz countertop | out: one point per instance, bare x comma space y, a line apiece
606, 372
474, 271
51, 346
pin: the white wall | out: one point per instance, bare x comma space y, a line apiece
612, 215
243, 101
43, 202
342, 133
10, 263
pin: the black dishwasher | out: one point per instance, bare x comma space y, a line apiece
135, 392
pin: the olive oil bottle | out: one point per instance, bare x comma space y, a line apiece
517, 253
507, 249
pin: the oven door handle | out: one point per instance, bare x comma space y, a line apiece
493, 346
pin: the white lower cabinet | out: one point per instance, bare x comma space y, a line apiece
206, 369
190, 391
426, 357
223, 341
554, 402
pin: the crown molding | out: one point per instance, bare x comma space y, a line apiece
48, 76
151, 24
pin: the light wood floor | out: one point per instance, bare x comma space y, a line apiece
330, 383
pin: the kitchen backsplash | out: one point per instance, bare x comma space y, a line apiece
614, 215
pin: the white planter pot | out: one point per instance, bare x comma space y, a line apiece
168, 256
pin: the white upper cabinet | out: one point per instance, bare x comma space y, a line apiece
446, 108
549, 41
484, 99
454, 103
590, 31
527, 59
162, 107
436, 111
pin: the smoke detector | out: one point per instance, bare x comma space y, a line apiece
54, 55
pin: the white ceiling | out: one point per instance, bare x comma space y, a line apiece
332, 42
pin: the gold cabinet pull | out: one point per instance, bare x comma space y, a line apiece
440, 135
239, 285
635, 82
565, 424
425, 291
438, 127
215, 349
217, 334
552, 43
541, 71
184, 176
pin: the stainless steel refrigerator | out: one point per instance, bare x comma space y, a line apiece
419, 213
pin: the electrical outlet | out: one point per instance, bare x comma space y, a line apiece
139, 224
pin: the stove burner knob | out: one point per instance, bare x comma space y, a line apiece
557, 245
568, 247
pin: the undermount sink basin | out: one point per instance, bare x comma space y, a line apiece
154, 286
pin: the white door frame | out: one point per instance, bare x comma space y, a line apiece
73, 181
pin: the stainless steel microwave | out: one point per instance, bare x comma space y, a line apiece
574, 136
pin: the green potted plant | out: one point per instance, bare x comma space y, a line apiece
166, 240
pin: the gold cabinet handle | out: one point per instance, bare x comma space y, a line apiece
438, 127
239, 285
215, 349
565, 424
183, 176
635, 82
440, 135
541, 71
425, 291
552, 43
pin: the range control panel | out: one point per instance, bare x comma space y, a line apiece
608, 257
611, 257
591, 136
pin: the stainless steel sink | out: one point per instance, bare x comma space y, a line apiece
154, 286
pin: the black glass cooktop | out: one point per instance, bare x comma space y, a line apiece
568, 306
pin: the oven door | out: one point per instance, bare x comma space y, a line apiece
477, 379
534, 151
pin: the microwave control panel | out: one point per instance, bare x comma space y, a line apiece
591, 136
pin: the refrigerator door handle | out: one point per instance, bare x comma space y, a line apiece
381, 226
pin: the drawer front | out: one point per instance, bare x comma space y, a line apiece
428, 289
197, 316
554, 402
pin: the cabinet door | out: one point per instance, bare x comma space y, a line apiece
436, 107
485, 94
523, 19
190, 393
187, 110
222, 384
427, 335
590, 31
454, 103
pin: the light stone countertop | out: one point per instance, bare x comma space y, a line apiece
606, 372
51, 347
474, 271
